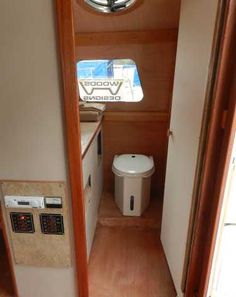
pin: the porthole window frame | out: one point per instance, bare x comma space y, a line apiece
118, 14
102, 6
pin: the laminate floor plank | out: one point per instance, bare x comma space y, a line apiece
128, 262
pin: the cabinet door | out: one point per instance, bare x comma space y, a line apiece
93, 182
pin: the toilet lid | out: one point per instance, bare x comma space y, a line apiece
133, 165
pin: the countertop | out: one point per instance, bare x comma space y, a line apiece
88, 131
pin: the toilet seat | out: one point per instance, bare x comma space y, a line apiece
133, 165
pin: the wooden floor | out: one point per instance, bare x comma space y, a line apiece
5, 277
110, 215
128, 261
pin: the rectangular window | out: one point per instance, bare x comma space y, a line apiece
109, 81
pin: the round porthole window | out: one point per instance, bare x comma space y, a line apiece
109, 6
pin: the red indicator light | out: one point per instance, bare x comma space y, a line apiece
22, 217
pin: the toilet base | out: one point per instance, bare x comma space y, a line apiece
132, 194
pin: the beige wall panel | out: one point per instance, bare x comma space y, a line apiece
31, 119
31, 125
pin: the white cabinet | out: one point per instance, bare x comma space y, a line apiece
93, 185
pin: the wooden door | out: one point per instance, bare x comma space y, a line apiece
195, 40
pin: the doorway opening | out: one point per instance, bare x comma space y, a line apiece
125, 73
137, 129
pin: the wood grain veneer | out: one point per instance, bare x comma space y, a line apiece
67, 54
137, 127
135, 137
146, 15
6, 261
128, 262
125, 37
1, 218
129, 116
6, 286
155, 63
110, 215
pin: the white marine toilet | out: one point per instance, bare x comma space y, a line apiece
132, 182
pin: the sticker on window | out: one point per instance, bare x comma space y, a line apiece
109, 81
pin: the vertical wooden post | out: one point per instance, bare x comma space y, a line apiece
68, 64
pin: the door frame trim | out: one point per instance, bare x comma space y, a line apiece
8, 252
209, 99
203, 238
213, 174
66, 44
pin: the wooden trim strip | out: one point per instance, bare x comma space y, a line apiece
129, 37
92, 139
214, 64
67, 53
124, 116
9, 254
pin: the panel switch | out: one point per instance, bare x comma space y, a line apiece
52, 224
22, 222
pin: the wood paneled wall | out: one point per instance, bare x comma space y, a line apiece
154, 55
146, 15
136, 133
137, 127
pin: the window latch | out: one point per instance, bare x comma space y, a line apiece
116, 6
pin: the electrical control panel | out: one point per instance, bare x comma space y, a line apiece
24, 201
22, 222
52, 224
53, 202
36, 217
